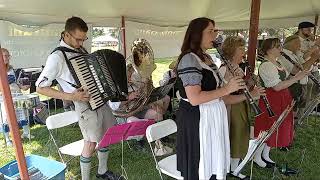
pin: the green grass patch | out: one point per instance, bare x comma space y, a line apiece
304, 155
162, 67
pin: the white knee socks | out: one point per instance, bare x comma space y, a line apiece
257, 157
85, 166
234, 162
265, 153
103, 159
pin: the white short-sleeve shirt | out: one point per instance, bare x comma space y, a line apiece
289, 66
269, 74
57, 68
305, 46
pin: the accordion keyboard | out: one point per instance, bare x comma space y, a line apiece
103, 74
90, 82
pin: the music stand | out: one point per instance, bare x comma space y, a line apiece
263, 136
308, 109
122, 132
138, 128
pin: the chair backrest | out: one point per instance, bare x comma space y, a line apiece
161, 129
62, 119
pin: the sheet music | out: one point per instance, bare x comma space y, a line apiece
122, 132
138, 128
263, 137
161, 92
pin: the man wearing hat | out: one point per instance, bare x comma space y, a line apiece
290, 53
309, 46
306, 37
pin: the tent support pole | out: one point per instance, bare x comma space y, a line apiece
316, 19
12, 120
123, 28
253, 32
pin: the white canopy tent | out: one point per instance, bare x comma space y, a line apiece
162, 23
30, 46
230, 14
160, 15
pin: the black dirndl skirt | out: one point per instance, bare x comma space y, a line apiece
188, 144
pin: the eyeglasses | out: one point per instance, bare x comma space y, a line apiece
78, 39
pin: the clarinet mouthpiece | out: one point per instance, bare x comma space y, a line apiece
216, 44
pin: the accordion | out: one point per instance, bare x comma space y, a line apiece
103, 74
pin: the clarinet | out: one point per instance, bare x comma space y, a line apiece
299, 66
257, 111
264, 97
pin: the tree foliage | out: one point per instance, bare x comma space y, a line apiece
96, 32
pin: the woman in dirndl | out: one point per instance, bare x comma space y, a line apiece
276, 80
203, 149
234, 51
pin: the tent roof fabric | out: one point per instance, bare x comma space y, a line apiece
229, 14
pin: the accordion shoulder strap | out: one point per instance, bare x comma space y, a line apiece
84, 50
65, 49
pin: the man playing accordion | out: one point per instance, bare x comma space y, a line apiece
93, 124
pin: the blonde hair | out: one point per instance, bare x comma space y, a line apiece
230, 45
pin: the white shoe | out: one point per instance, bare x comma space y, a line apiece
26, 136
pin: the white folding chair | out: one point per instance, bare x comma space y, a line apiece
157, 131
61, 120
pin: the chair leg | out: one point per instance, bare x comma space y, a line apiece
129, 145
123, 170
48, 144
55, 106
57, 147
155, 160
75, 125
48, 104
70, 159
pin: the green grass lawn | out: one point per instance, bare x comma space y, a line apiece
162, 66
304, 155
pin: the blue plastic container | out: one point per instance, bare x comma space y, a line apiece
51, 169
